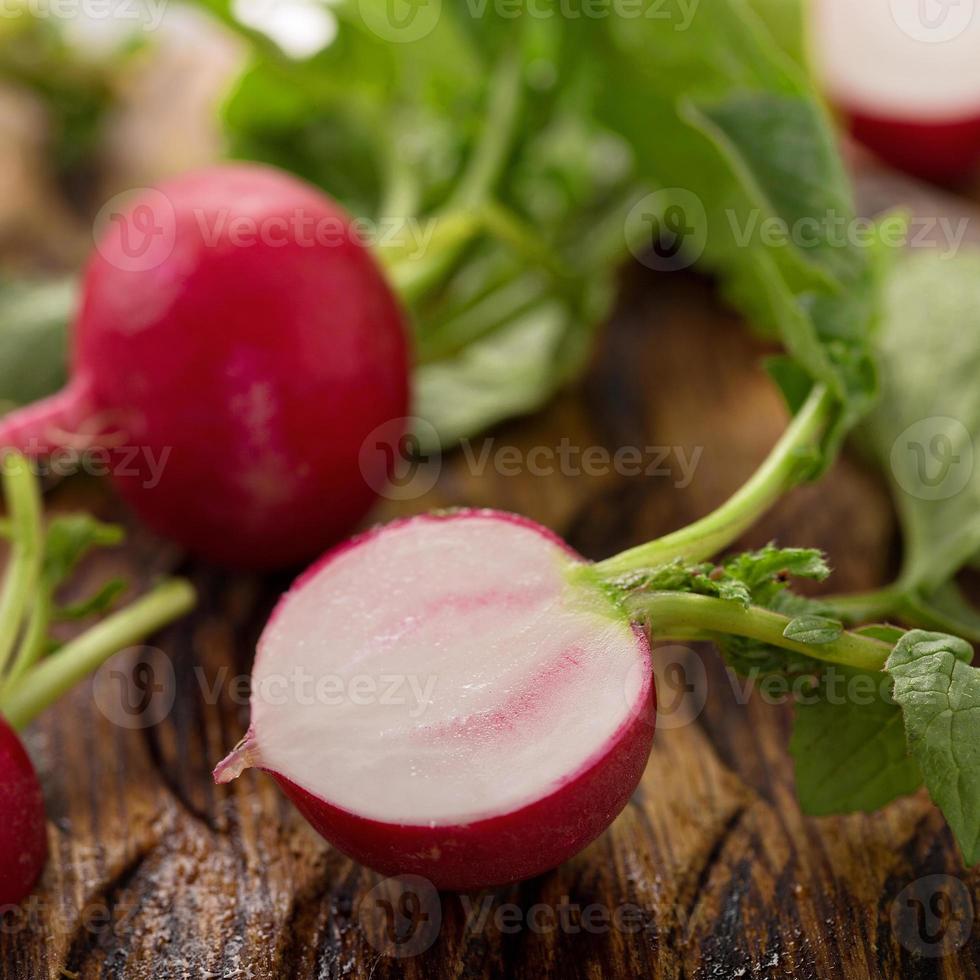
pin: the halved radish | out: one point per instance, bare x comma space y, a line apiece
907, 75
450, 696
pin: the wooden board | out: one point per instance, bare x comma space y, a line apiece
710, 872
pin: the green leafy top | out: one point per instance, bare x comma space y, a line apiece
922, 431
481, 134
733, 131
752, 580
584, 135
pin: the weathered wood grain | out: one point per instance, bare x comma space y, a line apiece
711, 871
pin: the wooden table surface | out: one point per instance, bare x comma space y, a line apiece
710, 872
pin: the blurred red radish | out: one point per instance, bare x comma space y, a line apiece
906, 74
23, 831
239, 343
446, 697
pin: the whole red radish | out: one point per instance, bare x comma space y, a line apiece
236, 345
906, 74
23, 832
448, 696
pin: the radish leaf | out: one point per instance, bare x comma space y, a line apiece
849, 745
70, 537
939, 694
721, 116
33, 337
97, 604
813, 629
922, 432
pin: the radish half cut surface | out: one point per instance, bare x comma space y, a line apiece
907, 75
446, 696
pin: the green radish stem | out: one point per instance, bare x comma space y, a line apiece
26, 550
33, 643
868, 607
900, 601
513, 299
488, 159
413, 276
781, 470
26, 686
464, 214
53, 677
685, 616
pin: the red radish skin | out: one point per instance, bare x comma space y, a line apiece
539, 724
906, 79
23, 831
940, 152
245, 366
